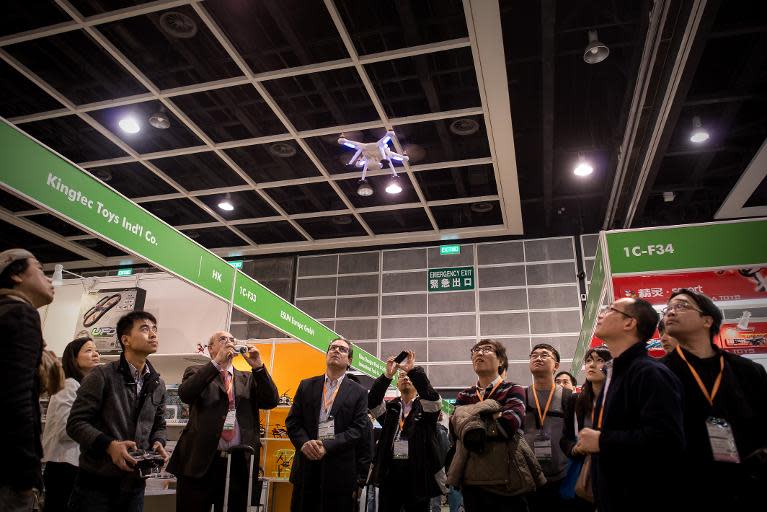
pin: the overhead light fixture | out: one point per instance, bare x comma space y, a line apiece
341, 220
596, 51
699, 134
282, 149
129, 125
394, 187
57, 279
481, 207
583, 168
160, 120
226, 204
364, 189
464, 126
669, 196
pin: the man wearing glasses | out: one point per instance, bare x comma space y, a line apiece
725, 408
639, 427
326, 424
224, 404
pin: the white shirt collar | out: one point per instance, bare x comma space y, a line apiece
338, 380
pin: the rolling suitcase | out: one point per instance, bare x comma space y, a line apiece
250, 454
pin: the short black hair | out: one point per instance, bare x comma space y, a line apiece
125, 324
707, 308
646, 316
348, 344
69, 358
13, 269
572, 379
547, 347
500, 352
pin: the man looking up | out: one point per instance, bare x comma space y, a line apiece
224, 404
544, 423
566, 380
325, 424
638, 419
23, 288
120, 407
725, 411
667, 341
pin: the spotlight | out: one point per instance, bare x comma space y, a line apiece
129, 125
596, 51
394, 187
364, 189
583, 168
669, 196
699, 134
226, 204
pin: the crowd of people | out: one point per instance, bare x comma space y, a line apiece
640, 433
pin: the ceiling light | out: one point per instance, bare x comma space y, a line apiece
104, 175
464, 126
481, 207
583, 168
129, 125
160, 120
364, 189
342, 220
669, 197
282, 149
394, 187
178, 24
596, 51
226, 204
699, 134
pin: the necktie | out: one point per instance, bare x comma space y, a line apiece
228, 435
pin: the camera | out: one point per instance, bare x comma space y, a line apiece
147, 463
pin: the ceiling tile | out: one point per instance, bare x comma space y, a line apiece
405, 23
311, 197
397, 221
213, 238
425, 84
271, 232
247, 205
13, 203
43, 250
277, 161
273, 35
101, 247
335, 157
19, 96
380, 197
73, 138
172, 48
149, 139
75, 65
444, 140
231, 113
31, 15
467, 215
440, 184
199, 171
337, 226
132, 179
55, 224
319, 100
177, 212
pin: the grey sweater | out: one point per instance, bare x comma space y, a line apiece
107, 409
553, 425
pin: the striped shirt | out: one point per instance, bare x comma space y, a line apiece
511, 397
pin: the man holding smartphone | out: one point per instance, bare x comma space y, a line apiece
407, 466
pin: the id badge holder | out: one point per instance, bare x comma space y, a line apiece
722, 440
400, 449
327, 429
231, 416
542, 447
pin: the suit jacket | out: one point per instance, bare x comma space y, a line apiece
337, 470
203, 389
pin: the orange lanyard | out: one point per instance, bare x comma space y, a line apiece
402, 415
542, 417
601, 413
328, 403
481, 397
709, 396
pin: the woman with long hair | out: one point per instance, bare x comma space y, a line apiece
60, 453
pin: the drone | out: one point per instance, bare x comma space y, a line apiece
372, 155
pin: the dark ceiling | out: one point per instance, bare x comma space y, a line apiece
258, 92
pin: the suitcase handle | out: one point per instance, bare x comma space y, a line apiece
242, 448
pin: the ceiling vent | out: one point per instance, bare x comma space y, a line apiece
342, 220
282, 150
178, 24
104, 175
464, 126
481, 207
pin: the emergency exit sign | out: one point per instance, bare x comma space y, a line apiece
450, 279
449, 249
123, 272
237, 263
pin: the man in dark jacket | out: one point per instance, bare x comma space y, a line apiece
224, 404
120, 407
641, 419
326, 424
407, 466
724, 394
23, 288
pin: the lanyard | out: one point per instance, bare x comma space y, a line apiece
328, 403
709, 396
601, 413
481, 397
542, 417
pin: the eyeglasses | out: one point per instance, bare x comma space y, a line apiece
679, 306
338, 348
605, 309
540, 355
483, 350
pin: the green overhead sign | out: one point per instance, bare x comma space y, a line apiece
591, 311
449, 249
238, 264
123, 272
726, 244
450, 279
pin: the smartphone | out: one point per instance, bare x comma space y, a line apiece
401, 357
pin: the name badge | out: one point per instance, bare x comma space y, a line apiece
722, 440
542, 447
231, 416
400, 449
327, 429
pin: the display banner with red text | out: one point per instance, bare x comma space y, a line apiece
751, 340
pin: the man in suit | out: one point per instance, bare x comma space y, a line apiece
224, 404
326, 424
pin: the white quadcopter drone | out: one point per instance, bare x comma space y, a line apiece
372, 155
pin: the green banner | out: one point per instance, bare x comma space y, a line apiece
450, 279
592, 310
55, 184
688, 247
